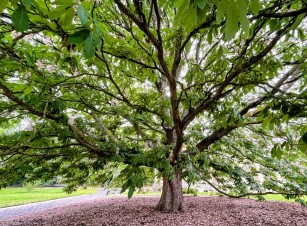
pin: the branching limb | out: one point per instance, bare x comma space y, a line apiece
245, 194
233, 74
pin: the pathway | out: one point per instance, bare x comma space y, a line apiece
16, 211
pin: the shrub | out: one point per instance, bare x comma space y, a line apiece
29, 186
190, 191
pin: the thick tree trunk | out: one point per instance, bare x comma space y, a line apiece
172, 198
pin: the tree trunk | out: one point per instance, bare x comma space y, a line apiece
172, 198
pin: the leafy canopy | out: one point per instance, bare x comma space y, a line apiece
215, 88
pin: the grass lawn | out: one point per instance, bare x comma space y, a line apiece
281, 198
18, 196
267, 197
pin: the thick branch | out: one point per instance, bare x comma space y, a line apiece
9, 94
170, 77
232, 75
217, 134
282, 15
79, 135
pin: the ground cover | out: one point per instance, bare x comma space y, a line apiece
18, 196
207, 211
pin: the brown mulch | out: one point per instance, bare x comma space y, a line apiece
197, 211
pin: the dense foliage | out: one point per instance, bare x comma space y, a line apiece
213, 88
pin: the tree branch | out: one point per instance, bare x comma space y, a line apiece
170, 77
245, 194
232, 75
217, 134
281, 15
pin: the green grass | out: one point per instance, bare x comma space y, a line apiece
18, 196
281, 198
267, 197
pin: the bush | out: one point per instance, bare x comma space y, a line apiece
29, 186
190, 191
18, 183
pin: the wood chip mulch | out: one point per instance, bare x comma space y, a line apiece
197, 211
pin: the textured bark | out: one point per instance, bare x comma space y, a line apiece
172, 198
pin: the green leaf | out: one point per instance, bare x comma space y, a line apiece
82, 14
14, 3
304, 138
303, 93
221, 8
231, 26
78, 37
89, 46
97, 35
30, 59
20, 19
272, 124
201, 15
302, 145
273, 23
298, 21
182, 5
27, 3
201, 3
59, 105
130, 192
209, 37
58, 12
28, 90
74, 63
68, 17
64, 119
266, 122
64, 2
255, 6
242, 9
219, 52
45, 88
63, 136
276, 152
189, 18
3, 4
19, 88
301, 34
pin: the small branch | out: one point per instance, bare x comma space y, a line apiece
233, 74
204, 25
281, 15
245, 194
104, 130
158, 17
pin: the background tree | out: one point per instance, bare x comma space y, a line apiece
210, 90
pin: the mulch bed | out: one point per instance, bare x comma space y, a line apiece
197, 211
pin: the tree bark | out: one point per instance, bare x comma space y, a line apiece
172, 198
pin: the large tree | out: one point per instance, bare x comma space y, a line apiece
210, 90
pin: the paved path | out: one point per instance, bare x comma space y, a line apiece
16, 211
